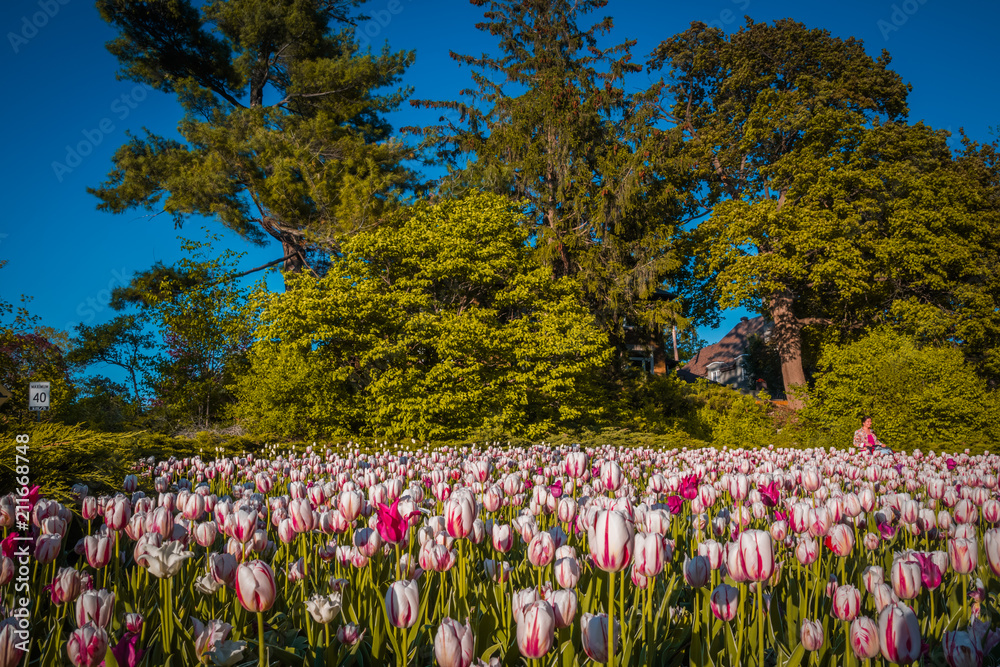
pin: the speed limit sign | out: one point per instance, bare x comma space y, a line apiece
38, 396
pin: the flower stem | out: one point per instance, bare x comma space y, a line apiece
262, 661
611, 619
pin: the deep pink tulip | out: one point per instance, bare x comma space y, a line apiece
392, 525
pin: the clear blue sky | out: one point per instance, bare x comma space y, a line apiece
62, 92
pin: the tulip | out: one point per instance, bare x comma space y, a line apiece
872, 576
498, 571
725, 602
754, 558
255, 586
324, 608
846, 602
454, 644
66, 586
649, 554
133, 623
116, 514
991, 545
840, 540
349, 634
899, 634
575, 465
536, 629
567, 571
811, 635
961, 650
87, 646
205, 533
883, 596
402, 603
964, 555
95, 607
696, 571
166, 561
611, 476
47, 548
864, 637
906, 579
459, 515
98, 550
207, 634
564, 606
594, 628
541, 549
611, 541
806, 551
712, 552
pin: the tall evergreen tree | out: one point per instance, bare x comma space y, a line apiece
549, 122
284, 132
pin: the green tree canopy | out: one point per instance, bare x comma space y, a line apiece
438, 325
924, 397
550, 122
758, 109
284, 130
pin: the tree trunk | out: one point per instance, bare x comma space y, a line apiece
788, 340
293, 256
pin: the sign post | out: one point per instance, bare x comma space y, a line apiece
5, 394
38, 397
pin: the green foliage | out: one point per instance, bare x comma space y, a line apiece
200, 310
926, 397
555, 125
429, 328
283, 128
62, 456
103, 405
122, 342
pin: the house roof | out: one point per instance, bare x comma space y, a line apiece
726, 351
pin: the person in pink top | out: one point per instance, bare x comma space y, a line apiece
865, 438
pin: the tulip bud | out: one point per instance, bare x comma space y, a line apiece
594, 628
133, 623
66, 586
864, 637
696, 571
811, 635
536, 629
87, 646
846, 602
454, 644
991, 545
255, 586
402, 603
725, 602
899, 634
567, 571
349, 634
541, 549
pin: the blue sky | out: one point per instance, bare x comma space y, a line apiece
65, 114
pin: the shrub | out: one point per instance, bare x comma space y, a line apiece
925, 397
